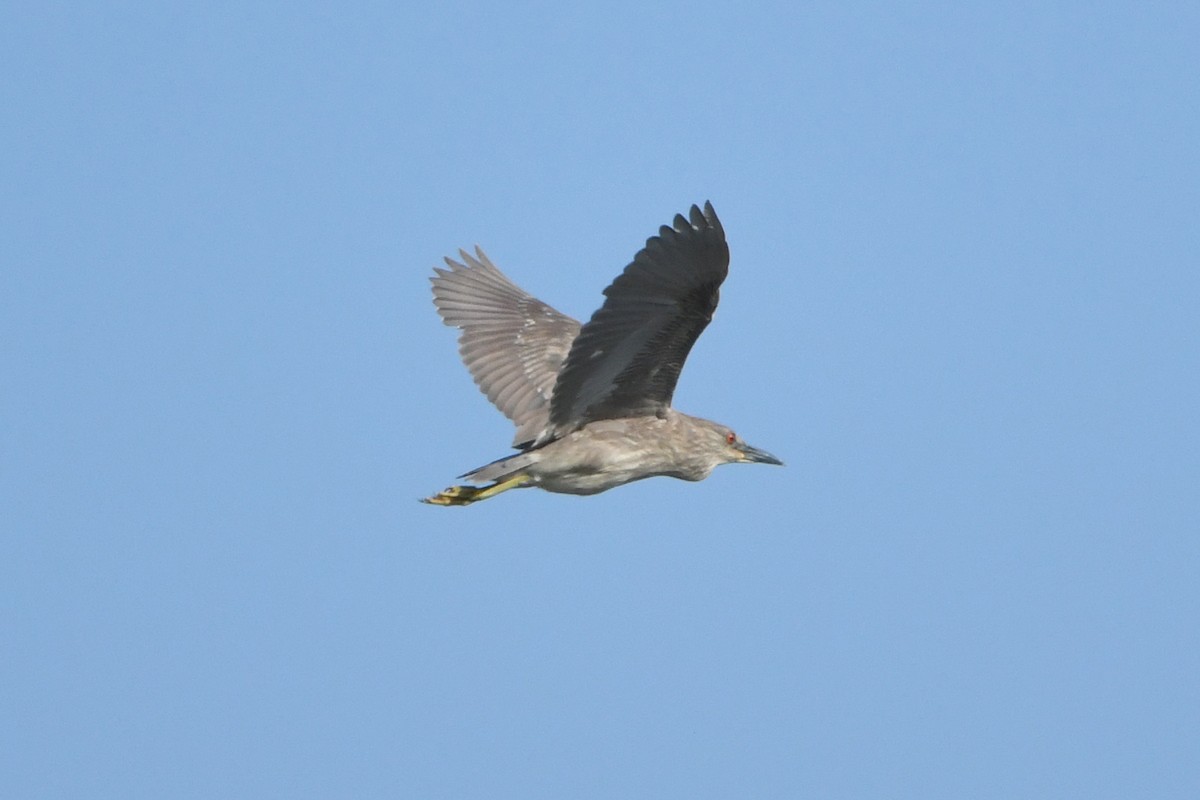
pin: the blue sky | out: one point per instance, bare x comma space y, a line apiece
962, 307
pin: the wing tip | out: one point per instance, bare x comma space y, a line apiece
707, 218
699, 219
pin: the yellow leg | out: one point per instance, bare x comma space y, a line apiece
465, 495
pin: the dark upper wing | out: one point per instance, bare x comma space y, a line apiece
512, 343
626, 359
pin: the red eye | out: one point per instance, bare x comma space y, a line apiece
730, 438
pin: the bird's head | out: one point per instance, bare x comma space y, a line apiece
729, 448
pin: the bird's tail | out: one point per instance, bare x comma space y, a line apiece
501, 469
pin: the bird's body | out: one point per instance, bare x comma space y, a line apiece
592, 403
609, 453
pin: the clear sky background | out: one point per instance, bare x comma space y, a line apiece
962, 306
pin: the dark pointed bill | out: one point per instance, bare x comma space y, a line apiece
753, 454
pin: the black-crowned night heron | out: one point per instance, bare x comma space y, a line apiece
592, 403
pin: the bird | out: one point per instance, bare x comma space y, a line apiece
592, 402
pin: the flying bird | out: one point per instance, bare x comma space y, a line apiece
592, 403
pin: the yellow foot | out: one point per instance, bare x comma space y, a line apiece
465, 495
455, 496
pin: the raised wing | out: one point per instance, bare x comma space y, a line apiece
512, 343
627, 358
